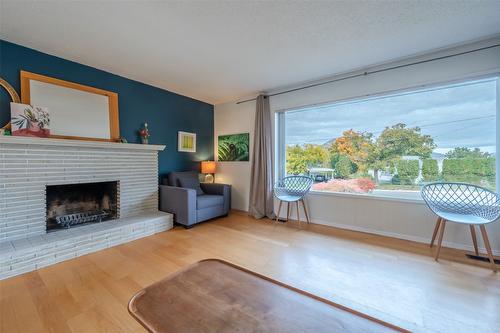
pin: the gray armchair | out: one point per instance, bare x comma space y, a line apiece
192, 202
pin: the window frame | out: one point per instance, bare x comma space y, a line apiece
280, 128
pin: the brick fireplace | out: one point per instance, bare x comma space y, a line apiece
45, 180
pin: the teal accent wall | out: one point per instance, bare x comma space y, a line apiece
165, 112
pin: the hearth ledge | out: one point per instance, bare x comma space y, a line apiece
28, 254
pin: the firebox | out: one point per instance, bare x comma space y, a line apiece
79, 204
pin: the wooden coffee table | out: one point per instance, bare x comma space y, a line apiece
216, 296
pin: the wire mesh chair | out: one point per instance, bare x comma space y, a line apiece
462, 203
292, 189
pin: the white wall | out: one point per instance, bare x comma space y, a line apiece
407, 220
232, 119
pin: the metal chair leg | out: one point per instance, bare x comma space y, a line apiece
488, 247
436, 228
298, 214
305, 210
474, 239
440, 239
279, 210
288, 211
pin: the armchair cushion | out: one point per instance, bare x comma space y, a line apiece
205, 201
219, 189
190, 182
172, 178
215, 188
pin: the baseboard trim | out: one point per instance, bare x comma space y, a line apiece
239, 211
417, 239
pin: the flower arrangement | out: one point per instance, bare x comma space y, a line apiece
144, 134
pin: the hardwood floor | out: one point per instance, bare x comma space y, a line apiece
394, 280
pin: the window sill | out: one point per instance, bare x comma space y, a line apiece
381, 195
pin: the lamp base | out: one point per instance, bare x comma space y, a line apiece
209, 178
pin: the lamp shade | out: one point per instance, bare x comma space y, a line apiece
208, 167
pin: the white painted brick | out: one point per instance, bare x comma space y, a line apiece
44, 250
64, 256
17, 271
46, 262
25, 170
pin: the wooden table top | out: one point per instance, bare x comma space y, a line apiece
216, 296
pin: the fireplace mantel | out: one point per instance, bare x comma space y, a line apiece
21, 140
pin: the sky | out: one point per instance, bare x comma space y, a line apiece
461, 115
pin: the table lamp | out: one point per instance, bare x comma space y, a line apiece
208, 168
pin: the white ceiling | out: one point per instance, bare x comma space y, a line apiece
218, 51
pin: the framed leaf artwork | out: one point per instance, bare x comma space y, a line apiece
233, 147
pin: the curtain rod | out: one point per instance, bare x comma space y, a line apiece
374, 72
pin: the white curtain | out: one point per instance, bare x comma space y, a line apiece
261, 184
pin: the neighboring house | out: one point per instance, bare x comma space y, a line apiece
321, 174
439, 158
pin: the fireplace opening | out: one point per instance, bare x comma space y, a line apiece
79, 204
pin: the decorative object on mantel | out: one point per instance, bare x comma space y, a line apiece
144, 134
233, 147
208, 168
186, 142
27, 120
14, 97
77, 111
123, 140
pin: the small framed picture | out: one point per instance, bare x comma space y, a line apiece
27, 120
187, 142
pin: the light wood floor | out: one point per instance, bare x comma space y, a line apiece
396, 281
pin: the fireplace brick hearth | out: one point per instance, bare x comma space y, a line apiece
29, 165
28, 254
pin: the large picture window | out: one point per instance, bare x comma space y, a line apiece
390, 145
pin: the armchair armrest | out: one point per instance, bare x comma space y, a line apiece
219, 189
179, 201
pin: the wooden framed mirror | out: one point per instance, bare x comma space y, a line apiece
76, 111
13, 96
